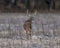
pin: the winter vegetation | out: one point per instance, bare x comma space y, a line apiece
31, 5
45, 31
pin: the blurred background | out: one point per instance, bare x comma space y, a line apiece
31, 5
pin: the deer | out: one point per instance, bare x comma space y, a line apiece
28, 27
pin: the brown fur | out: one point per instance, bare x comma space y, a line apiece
27, 27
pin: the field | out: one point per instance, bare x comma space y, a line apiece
45, 30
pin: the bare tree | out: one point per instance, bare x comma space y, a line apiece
55, 27
42, 28
9, 29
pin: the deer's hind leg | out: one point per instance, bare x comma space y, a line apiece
30, 34
27, 35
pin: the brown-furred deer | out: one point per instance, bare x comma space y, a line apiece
27, 27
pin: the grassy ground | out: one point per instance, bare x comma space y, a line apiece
16, 37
